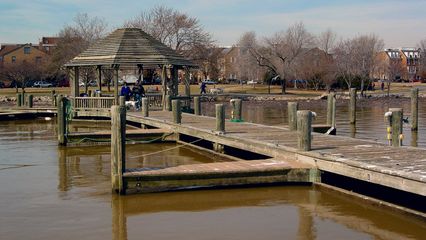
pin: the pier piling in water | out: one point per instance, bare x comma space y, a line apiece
18, 100
30, 100
304, 129
352, 106
331, 109
168, 103
236, 114
292, 108
62, 120
145, 107
220, 118
122, 100
197, 106
396, 121
176, 111
118, 148
414, 109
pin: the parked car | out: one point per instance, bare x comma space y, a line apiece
209, 82
42, 84
91, 83
251, 82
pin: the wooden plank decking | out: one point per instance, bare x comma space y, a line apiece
402, 168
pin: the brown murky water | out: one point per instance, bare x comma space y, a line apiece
370, 117
52, 193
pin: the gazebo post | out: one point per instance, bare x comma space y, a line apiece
175, 80
116, 91
164, 85
140, 73
100, 77
187, 87
74, 80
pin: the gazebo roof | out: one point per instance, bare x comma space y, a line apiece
129, 46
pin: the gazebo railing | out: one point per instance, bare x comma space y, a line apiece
92, 103
155, 100
105, 103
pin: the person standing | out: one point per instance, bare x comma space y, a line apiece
125, 91
203, 88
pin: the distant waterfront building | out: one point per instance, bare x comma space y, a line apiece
48, 44
20, 53
398, 64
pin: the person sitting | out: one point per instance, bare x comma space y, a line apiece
125, 91
136, 96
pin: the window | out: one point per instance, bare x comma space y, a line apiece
38, 59
27, 50
13, 59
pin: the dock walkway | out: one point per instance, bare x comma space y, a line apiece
403, 168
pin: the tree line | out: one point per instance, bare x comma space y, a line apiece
321, 61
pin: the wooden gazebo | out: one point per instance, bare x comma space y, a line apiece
130, 47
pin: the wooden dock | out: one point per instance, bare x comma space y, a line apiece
402, 168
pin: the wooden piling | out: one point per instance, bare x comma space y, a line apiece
177, 111
18, 100
197, 106
397, 137
30, 100
352, 106
62, 120
220, 118
414, 109
236, 114
168, 103
145, 107
292, 108
122, 100
118, 148
331, 109
304, 128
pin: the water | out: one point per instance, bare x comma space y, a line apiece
52, 193
370, 117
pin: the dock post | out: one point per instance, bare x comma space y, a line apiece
62, 120
197, 106
118, 148
352, 106
168, 103
236, 113
304, 129
414, 109
397, 136
176, 111
220, 118
122, 100
23, 98
292, 108
331, 109
145, 107
18, 100
30, 101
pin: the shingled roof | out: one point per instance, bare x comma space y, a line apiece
129, 46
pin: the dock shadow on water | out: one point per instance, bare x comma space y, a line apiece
65, 194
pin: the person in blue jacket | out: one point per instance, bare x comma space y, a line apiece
125, 91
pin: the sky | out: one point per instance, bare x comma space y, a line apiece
400, 23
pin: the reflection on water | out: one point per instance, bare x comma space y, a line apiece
370, 118
65, 192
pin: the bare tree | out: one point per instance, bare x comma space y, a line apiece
20, 73
76, 38
326, 41
173, 28
355, 58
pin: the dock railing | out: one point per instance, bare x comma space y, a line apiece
92, 103
105, 103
